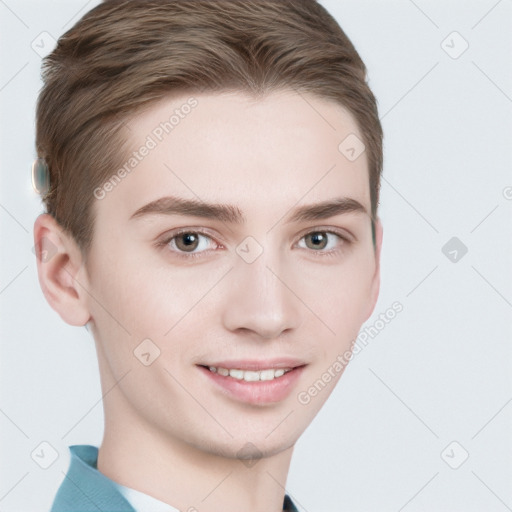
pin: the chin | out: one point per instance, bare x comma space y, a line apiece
248, 446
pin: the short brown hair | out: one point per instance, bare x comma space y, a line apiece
126, 54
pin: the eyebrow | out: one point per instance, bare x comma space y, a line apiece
170, 205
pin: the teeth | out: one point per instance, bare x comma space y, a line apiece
236, 374
267, 375
250, 375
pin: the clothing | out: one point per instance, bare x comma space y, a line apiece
85, 489
140, 501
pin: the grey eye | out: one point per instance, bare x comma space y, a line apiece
317, 240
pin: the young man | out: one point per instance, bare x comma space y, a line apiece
214, 173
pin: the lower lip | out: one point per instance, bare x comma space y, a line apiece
259, 392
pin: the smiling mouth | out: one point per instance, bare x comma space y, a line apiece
254, 382
249, 375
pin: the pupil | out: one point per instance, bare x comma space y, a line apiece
318, 240
187, 241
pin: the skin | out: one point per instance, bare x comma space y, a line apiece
169, 432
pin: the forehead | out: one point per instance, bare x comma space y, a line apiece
232, 147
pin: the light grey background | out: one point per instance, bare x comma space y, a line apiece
439, 372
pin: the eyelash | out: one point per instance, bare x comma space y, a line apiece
192, 255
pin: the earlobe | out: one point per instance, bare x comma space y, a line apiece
60, 271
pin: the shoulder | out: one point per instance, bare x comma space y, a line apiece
85, 489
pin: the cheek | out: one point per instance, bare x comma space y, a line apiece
146, 299
338, 294
165, 304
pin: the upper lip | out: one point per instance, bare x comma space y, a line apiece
258, 364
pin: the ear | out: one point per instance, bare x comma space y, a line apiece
375, 283
62, 276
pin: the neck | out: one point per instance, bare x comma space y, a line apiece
141, 456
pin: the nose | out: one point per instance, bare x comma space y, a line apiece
261, 300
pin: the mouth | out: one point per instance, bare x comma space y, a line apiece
254, 382
250, 375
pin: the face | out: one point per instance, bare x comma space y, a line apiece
259, 264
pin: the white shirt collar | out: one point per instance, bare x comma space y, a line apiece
142, 502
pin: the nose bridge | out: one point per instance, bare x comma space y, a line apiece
258, 299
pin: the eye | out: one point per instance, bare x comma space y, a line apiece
187, 243
324, 242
